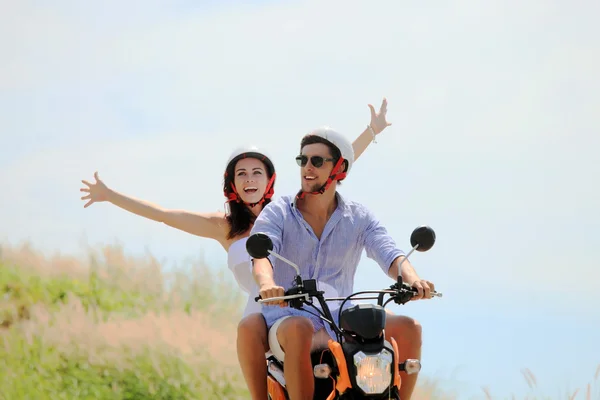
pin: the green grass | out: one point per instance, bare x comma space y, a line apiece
111, 328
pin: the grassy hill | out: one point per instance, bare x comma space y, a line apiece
110, 329
116, 327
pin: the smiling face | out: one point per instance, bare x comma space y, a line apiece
250, 179
312, 178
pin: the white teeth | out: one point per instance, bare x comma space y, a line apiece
250, 188
310, 177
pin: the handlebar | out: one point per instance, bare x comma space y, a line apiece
287, 297
306, 296
306, 291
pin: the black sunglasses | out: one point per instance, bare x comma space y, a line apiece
317, 161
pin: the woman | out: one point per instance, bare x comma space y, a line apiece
248, 185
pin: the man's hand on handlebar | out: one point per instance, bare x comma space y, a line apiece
424, 289
270, 290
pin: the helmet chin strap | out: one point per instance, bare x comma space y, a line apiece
335, 176
234, 195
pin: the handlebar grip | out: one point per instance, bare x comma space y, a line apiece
414, 290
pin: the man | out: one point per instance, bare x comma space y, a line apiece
324, 234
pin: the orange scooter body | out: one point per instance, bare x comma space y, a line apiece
339, 385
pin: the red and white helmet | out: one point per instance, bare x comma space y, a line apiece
346, 151
249, 151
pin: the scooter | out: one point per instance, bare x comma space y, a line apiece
361, 363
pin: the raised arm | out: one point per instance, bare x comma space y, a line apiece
378, 124
209, 225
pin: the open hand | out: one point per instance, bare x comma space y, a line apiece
378, 121
97, 192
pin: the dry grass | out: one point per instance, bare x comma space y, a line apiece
115, 327
119, 327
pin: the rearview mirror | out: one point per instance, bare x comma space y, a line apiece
259, 245
423, 236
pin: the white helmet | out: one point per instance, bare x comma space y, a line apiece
249, 151
339, 140
346, 151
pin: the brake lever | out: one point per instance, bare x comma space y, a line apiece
294, 300
433, 293
405, 293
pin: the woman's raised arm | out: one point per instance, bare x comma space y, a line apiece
209, 225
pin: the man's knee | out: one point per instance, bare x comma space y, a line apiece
414, 331
295, 331
253, 325
405, 329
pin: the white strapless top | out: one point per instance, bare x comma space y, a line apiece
240, 264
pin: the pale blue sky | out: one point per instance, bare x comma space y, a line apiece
494, 144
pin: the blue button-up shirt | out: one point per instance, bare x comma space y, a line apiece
332, 260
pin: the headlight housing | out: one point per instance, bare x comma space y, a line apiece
374, 371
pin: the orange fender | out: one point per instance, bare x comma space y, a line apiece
275, 390
343, 381
397, 379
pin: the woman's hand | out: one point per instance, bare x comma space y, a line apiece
97, 192
378, 121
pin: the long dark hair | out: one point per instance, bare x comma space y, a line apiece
240, 217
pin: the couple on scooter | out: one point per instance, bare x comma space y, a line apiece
317, 222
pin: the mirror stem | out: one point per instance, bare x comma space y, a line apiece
285, 260
404, 259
